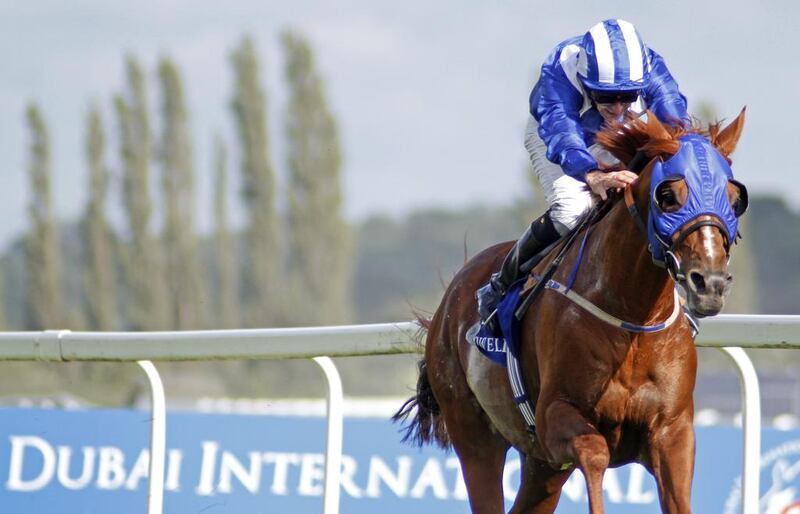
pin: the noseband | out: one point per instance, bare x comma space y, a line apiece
672, 263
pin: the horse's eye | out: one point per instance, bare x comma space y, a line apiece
737, 195
737, 207
667, 200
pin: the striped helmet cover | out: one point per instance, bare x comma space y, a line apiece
613, 57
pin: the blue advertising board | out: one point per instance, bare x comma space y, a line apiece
95, 461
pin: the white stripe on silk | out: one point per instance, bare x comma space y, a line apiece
573, 61
603, 53
634, 48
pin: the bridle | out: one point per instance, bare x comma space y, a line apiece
671, 262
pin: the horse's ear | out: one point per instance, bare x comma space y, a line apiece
728, 137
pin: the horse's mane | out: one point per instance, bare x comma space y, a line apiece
651, 137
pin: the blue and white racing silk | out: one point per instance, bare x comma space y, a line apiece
567, 120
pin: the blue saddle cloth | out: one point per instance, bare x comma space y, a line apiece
495, 345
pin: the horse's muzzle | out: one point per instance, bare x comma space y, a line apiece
706, 291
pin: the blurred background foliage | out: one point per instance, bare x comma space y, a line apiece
297, 261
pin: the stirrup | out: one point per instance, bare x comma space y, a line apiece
489, 297
492, 323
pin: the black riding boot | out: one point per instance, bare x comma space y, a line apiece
541, 234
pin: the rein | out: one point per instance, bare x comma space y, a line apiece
545, 282
602, 315
555, 263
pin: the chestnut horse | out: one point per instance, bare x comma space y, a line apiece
604, 396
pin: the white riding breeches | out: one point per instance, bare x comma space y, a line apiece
567, 197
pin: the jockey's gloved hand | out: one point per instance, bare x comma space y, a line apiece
601, 181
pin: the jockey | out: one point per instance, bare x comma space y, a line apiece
585, 82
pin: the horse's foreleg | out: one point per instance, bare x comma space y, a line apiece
540, 489
591, 452
571, 439
672, 463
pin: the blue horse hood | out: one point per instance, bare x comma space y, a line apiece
706, 173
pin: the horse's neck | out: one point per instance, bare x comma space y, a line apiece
619, 274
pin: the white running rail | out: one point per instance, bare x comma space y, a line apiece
728, 332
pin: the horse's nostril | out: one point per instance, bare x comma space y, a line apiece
698, 281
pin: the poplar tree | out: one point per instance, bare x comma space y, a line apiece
3, 318
261, 290
143, 269
99, 279
186, 289
44, 301
227, 306
705, 112
320, 243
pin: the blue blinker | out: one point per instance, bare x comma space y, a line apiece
707, 174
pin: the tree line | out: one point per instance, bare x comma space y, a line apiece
285, 267
292, 263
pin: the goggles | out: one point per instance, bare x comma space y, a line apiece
612, 97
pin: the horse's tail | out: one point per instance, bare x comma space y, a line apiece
426, 425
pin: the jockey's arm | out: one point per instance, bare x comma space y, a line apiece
662, 94
555, 103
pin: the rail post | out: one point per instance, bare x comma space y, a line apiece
333, 450
158, 439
